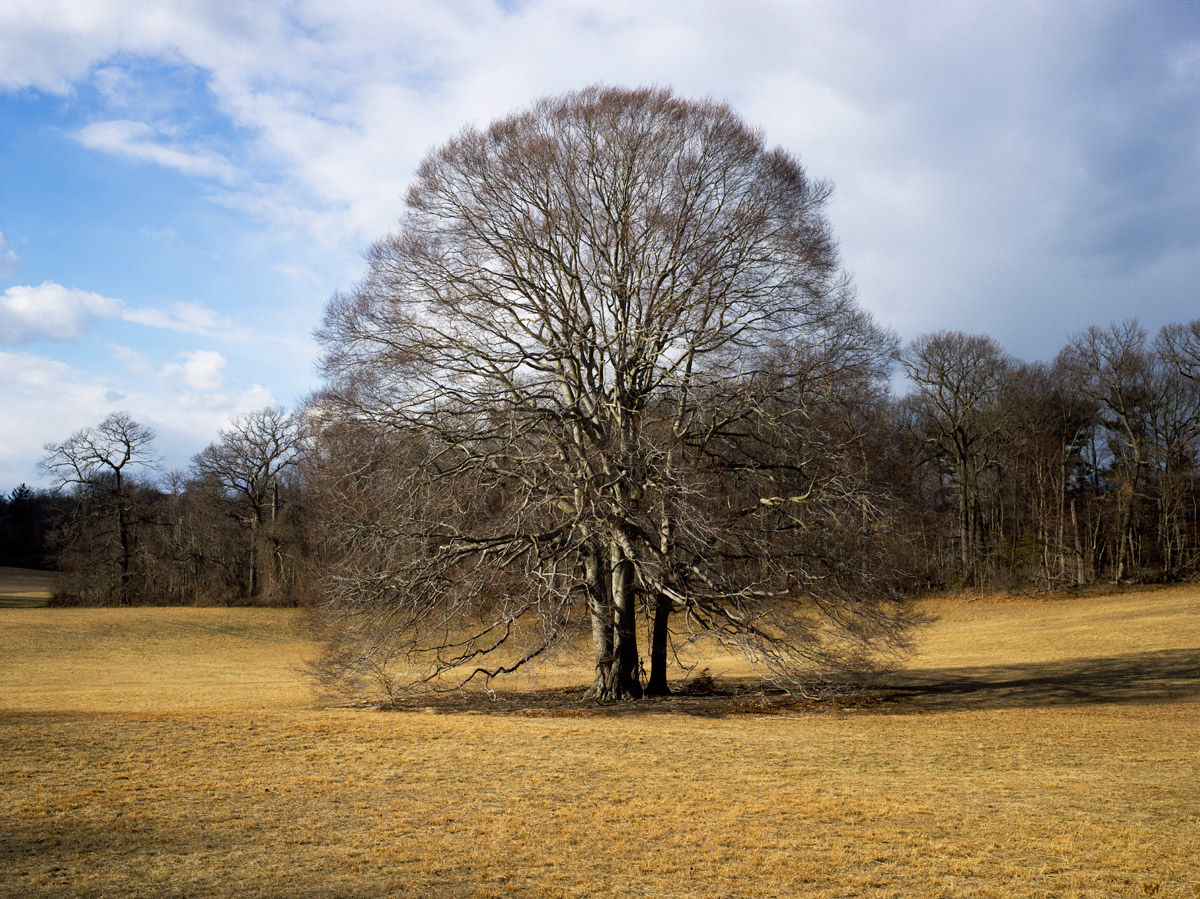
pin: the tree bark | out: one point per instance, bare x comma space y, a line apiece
126, 552
253, 571
598, 584
657, 685
620, 680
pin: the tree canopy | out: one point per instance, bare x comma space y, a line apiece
615, 344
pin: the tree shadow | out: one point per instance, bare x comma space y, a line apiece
24, 601
1168, 675
728, 697
1137, 678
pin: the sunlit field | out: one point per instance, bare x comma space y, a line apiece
1029, 748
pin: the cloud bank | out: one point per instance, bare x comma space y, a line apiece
142, 142
975, 146
1018, 169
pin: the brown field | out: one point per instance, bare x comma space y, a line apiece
23, 588
1030, 748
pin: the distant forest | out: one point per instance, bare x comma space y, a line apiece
989, 473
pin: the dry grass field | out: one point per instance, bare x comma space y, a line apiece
1030, 748
23, 588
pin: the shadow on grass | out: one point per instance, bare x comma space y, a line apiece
1164, 676
733, 697
25, 588
20, 601
1149, 677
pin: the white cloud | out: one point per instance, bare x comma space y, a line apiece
50, 312
38, 376
44, 401
50, 44
201, 370
141, 142
116, 83
297, 274
136, 363
228, 405
965, 139
189, 318
252, 399
8, 259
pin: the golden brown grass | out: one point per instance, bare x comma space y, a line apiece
1029, 749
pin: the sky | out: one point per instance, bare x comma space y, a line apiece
183, 185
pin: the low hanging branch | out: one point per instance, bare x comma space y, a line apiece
587, 344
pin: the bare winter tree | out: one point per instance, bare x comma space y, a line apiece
958, 384
602, 321
1111, 367
1174, 384
98, 463
247, 463
1048, 425
1179, 345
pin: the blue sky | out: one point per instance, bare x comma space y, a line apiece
183, 185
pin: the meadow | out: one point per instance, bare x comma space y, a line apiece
23, 588
1030, 747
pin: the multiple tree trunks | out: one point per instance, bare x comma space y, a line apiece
615, 330
246, 464
1062, 473
203, 536
609, 370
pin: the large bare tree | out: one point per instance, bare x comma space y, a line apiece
1112, 369
98, 464
958, 385
248, 463
601, 334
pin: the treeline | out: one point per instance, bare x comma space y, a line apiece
1020, 475
999, 474
27, 519
121, 532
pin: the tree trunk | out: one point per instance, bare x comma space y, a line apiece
1124, 523
621, 680
123, 540
252, 574
598, 583
1080, 570
1061, 496
964, 527
657, 685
